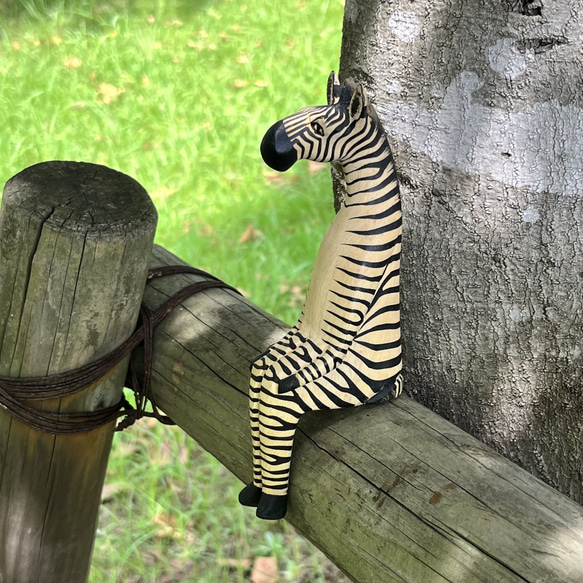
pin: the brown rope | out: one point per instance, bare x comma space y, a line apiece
16, 393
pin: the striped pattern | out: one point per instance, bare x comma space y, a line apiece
345, 349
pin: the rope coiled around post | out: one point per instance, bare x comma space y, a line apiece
17, 394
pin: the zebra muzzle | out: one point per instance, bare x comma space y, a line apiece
277, 149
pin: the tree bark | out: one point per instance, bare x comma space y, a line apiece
483, 106
75, 240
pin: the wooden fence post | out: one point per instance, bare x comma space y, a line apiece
75, 241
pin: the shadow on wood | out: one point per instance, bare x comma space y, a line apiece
389, 492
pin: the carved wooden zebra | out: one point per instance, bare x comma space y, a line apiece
345, 349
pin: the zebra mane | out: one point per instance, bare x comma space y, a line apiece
346, 93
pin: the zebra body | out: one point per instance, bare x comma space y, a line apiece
345, 349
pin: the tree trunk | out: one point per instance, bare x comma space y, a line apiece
482, 103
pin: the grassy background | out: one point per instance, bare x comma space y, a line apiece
178, 96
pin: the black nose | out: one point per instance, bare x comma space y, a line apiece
276, 148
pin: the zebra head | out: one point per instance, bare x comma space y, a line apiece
322, 133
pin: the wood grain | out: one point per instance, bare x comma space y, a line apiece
390, 492
75, 240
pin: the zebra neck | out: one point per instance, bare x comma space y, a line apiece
370, 176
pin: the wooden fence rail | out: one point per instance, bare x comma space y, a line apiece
392, 492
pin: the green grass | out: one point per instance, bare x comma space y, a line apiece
179, 98
178, 95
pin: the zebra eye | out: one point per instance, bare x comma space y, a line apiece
318, 129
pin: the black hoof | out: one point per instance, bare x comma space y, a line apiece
288, 384
385, 395
250, 495
272, 507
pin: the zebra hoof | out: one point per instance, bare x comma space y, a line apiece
272, 507
386, 395
383, 395
288, 384
250, 495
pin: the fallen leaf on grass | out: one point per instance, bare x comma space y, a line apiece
206, 230
250, 234
163, 193
72, 62
110, 490
264, 570
242, 564
160, 455
278, 179
149, 422
182, 565
297, 294
315, 167
152, 557
297, 297
181, 571
126, 448
107, 93
166, 526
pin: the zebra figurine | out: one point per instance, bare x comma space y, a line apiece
345, 349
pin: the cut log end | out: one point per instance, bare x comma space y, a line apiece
80, 196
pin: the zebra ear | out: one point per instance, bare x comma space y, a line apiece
333, 89
358, 103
